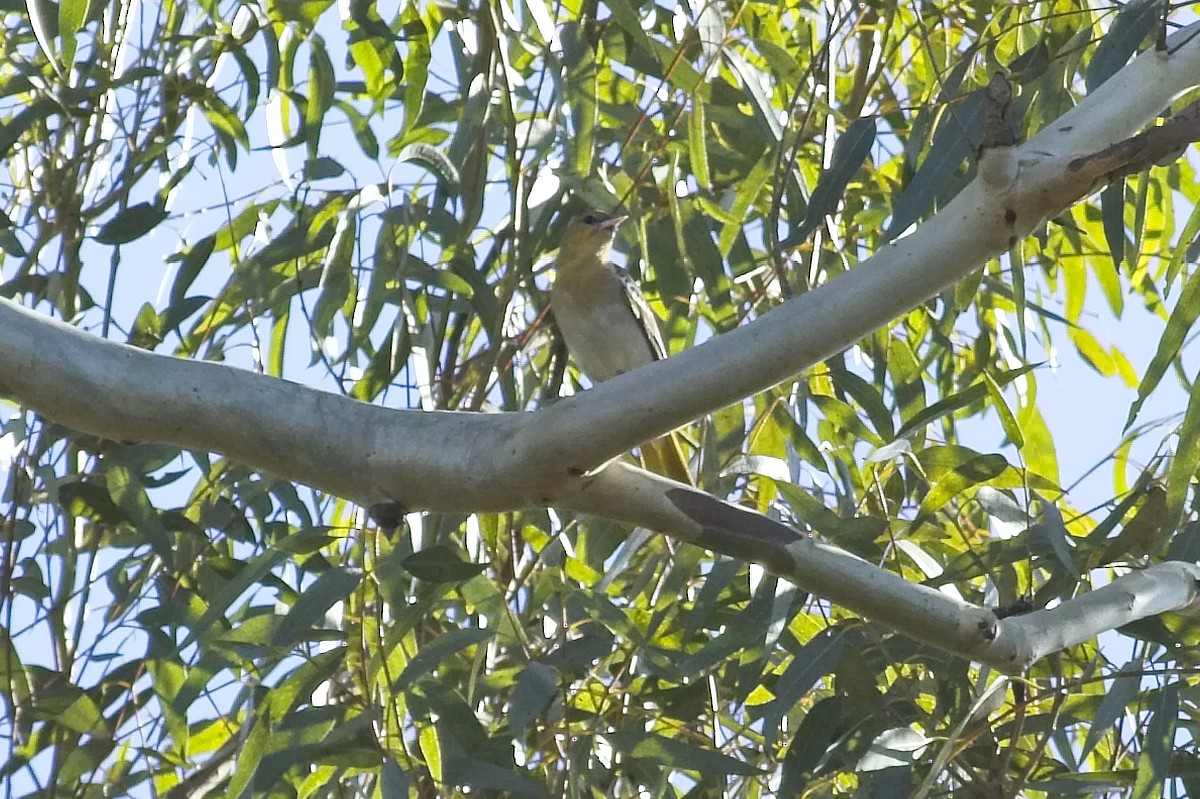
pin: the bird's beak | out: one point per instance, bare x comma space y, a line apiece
612, 222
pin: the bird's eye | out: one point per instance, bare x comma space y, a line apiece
591, 219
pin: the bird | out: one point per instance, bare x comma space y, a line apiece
607, 325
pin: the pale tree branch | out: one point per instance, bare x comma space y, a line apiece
927, 614
1017, 190
453, 461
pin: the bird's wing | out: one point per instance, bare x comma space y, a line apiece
645, 317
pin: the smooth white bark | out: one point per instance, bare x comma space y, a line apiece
494, 462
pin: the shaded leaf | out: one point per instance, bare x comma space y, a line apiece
131, 223
536, 688
1133, 23
438, 650
314, 602
441, 564
849, 154
1154, 759
673, 753
957, 133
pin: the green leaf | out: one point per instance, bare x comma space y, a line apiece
867, 395
968, 396
1112, 216
44, 20
1007, 420
323, 168
393, 782
818, 657
699, 246
672, 753
463, 767
1186, 461
697, 146
581, 90
756, 86
191, 262
416, 64
23, 122
747, 192
250, 754
333, 586
90, 501
438, 650
226, 123
969, 471
631, 22
781, 62
1040, 456
824, 723
127, 491
1133, 23
1052, 531
958, 127
321, 83
132, 223
431, 157
1117, 697
1187, 308
849, 154
147, 329
1154, 759
441, 564
72, 14
536, 688
73, 708
1190, 233
1093, 353
245, 578
337, 276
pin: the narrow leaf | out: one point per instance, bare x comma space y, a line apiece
1112, 707
439, 650
441, 564
314, 602
132, 223
1112, 216
1187, 308
674, 753
1154, 761
536, 688
849, 154
959, 126
757, 88
697, 147
1133, 23
1186, 461
972, 394
429, 156
1007, 420
72, 14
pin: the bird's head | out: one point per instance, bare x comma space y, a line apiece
591, 232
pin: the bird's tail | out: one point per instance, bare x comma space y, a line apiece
666, 456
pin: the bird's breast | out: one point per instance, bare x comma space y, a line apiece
601, 331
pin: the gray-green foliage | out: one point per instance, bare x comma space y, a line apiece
246, 623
